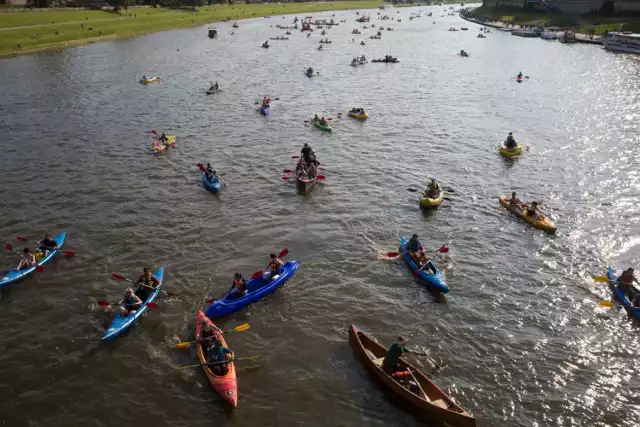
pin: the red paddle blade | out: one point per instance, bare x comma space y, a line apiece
171, 294
285, 178
392, 254
103, 303
417, 273
307, 121
330, 118
443, 249
69, 253
39, 269
256, 275
210, 300
152, 305
295, 157
321, 169
321, 177
283, 253
287, 171
117, 276
21, 239
154, 132
9, 247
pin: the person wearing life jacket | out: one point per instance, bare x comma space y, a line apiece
433, 189
207, 335
240, 285
273, 269
47, 244
130, 303
146, 284
28, 259
625, 283
219, 353
510, 142
395, 351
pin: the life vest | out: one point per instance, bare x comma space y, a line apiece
129, 301
275, 266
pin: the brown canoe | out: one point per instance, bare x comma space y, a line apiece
429, 403
305, 184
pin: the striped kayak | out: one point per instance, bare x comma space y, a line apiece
14, 275
633, 311
211, 185
320, 126
225, 385
120, 323
256, 290
435, 281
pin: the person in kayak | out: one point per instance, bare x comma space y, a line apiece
218, 353
519, 77
47, 244
240, 285
146, 284
306, 152
28, 259
625, 283
433, 189
514, 201
214, 86
323, 122
416, 251
130, 303
531, 209
144, 78
510, 142
164, 138
395, 351
207, 335
273, 269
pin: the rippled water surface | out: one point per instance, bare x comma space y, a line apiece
521, 333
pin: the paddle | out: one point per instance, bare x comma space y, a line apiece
222, 361
239, 328
318, 177
120, 277
66, 253
39, 268
601, 279
443, 249
290, 171
607, 304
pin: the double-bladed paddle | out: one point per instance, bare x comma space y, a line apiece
121, 277
39, 268
66, 253
443, 249
222, 361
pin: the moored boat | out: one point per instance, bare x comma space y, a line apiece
226, 385
121, 323
622, 42
415, 391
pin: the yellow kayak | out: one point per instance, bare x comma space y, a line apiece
360, 116
427, 202
150, 80
539, 221
171, 141
510, 152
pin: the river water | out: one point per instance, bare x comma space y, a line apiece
521, 333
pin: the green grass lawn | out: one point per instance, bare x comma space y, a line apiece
148, 20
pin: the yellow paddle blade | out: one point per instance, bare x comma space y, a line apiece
242, 327
601, 279
607, 304
185, 344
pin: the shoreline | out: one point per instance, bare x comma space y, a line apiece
210, 15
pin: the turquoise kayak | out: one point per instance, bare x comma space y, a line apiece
120, 323
212, 185
434, 281
14, 275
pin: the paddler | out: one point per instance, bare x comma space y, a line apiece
531, 209
510, 142
273, 269
416, 251
514, 201
207, 335
146, 284
519, 77
28, 259
214, 86
218, 353
240, 285
130, 303
164, 138
395, 351
306, 153
323, 121
433, 189
625, 283
47, 244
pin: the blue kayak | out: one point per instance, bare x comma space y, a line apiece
634, 311
120, 323
14, 275
256, 290
264, 110
211, 185
434, 281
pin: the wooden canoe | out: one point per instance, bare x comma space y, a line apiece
305, 184
431, 404
226, 385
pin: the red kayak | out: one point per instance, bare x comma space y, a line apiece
226, 385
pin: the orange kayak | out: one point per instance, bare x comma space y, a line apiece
226, 385
539, 221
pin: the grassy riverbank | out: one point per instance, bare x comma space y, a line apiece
600, 23
61, 29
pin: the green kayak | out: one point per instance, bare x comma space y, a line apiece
320, 126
